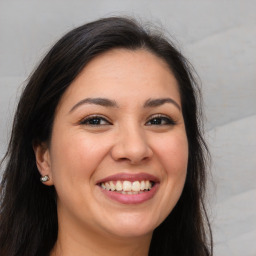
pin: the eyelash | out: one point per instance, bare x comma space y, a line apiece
167, 120
96, 119
87, 120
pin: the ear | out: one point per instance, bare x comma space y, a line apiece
43, 161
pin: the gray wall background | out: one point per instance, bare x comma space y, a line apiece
219, 38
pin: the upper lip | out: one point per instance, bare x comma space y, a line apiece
129, 177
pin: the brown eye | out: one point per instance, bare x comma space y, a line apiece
95, 121
160, 120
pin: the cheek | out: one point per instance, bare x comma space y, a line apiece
75, 158
77, 155
173, 152
172, 155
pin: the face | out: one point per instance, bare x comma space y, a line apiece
118, 152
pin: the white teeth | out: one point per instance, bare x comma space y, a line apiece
127, 187
136, 186
147, 183
112, 186
107, 186
142, 185
119, 186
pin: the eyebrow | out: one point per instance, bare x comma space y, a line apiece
159, 102
111, 103
96, 101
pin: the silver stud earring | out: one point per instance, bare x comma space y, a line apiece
44, 178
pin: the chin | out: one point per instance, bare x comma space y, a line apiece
133, 226
126, 232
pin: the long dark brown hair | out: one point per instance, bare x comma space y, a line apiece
28, 213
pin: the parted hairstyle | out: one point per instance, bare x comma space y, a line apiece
28, 211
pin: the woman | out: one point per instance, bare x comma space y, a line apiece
106, 155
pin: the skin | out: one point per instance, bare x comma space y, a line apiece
126, 140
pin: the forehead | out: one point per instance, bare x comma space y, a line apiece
124, 74
120, 62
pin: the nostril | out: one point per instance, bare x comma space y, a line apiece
132, 149
123, 159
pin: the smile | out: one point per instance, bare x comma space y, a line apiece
128, 187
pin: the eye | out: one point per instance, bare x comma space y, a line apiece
95, 121
160, 120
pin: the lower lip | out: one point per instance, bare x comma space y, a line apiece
131, 199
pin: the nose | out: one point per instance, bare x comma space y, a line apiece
131, 145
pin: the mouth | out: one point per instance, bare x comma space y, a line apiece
129, 188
